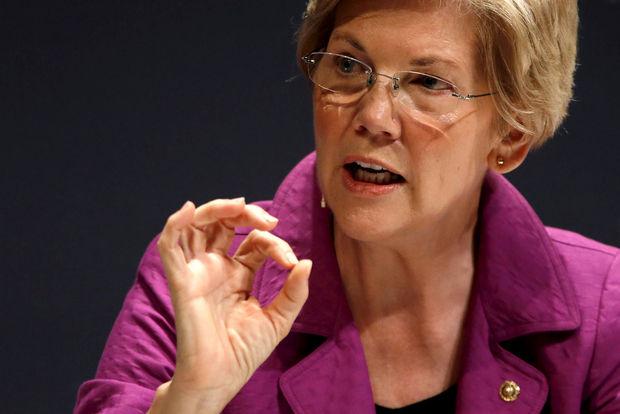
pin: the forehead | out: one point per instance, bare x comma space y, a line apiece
409, 29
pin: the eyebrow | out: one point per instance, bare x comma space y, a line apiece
350, 40
433, 60
419, 62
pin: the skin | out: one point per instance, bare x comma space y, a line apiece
223, 334
406, 257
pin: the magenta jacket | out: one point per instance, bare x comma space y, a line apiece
545, 313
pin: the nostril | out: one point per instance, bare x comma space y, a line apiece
361, 129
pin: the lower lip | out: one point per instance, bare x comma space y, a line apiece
366, 189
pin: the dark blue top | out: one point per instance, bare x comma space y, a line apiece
443, 403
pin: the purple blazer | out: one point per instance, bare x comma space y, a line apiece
544, 314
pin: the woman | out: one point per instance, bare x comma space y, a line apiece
427, 281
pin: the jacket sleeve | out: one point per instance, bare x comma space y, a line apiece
140, 352
605, 369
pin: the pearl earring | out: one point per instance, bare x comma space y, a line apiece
323, 203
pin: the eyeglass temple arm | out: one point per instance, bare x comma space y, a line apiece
469, 96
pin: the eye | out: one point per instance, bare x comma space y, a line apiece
428, 82
347, 65
434, 83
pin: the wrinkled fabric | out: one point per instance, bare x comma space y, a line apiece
544, 313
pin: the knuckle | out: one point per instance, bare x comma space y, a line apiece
278, 243
255, 209
219, 202
256, 235
169, 220
162, 244
283, 244
207, 206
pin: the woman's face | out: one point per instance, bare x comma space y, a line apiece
441, 159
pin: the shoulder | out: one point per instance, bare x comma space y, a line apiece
588, 263
591, 266
594, 270
574, 242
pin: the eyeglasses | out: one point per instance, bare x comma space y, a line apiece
348, 79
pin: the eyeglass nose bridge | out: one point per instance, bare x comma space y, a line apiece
372, 79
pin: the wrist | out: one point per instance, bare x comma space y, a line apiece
170, 397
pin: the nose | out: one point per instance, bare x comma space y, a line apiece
376, 115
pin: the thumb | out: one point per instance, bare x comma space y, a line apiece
286, 306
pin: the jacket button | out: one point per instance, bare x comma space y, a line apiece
509, 391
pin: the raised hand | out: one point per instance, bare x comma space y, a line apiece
223, 334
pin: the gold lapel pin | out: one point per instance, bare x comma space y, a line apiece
509, 391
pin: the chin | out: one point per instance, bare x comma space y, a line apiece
368, 224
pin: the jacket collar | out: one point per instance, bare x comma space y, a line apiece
521, 279
520, 288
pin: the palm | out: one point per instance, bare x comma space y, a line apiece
231, 334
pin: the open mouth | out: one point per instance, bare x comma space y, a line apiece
372, 174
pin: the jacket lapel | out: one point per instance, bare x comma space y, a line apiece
332, 379
520, 289
486, 367
522, 280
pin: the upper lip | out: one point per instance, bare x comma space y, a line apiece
368, 160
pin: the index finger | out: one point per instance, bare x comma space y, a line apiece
220, 234
217, 210
233, 213
171, 253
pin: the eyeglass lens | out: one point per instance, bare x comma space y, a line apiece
348, 79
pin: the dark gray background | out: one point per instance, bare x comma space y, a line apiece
113, 113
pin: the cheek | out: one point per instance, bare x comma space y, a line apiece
328, 130
448, 163
329, 120
330, 125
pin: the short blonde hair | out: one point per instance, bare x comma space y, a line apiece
527, 49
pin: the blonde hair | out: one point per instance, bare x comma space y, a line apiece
528, 54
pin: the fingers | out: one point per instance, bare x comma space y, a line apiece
288, 303
192, 241
253, 216
192, 230
168, 243
218, 218
259, 245
233, 213
216, 210
283, 310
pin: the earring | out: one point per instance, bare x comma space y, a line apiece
500, 160
323, 203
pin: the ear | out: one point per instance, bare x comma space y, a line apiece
509, 152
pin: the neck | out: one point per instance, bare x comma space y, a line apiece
428, 275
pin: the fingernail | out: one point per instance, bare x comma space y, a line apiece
187, 203
269, 218
292, 259
239, 200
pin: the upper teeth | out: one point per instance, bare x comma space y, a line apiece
370, 166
